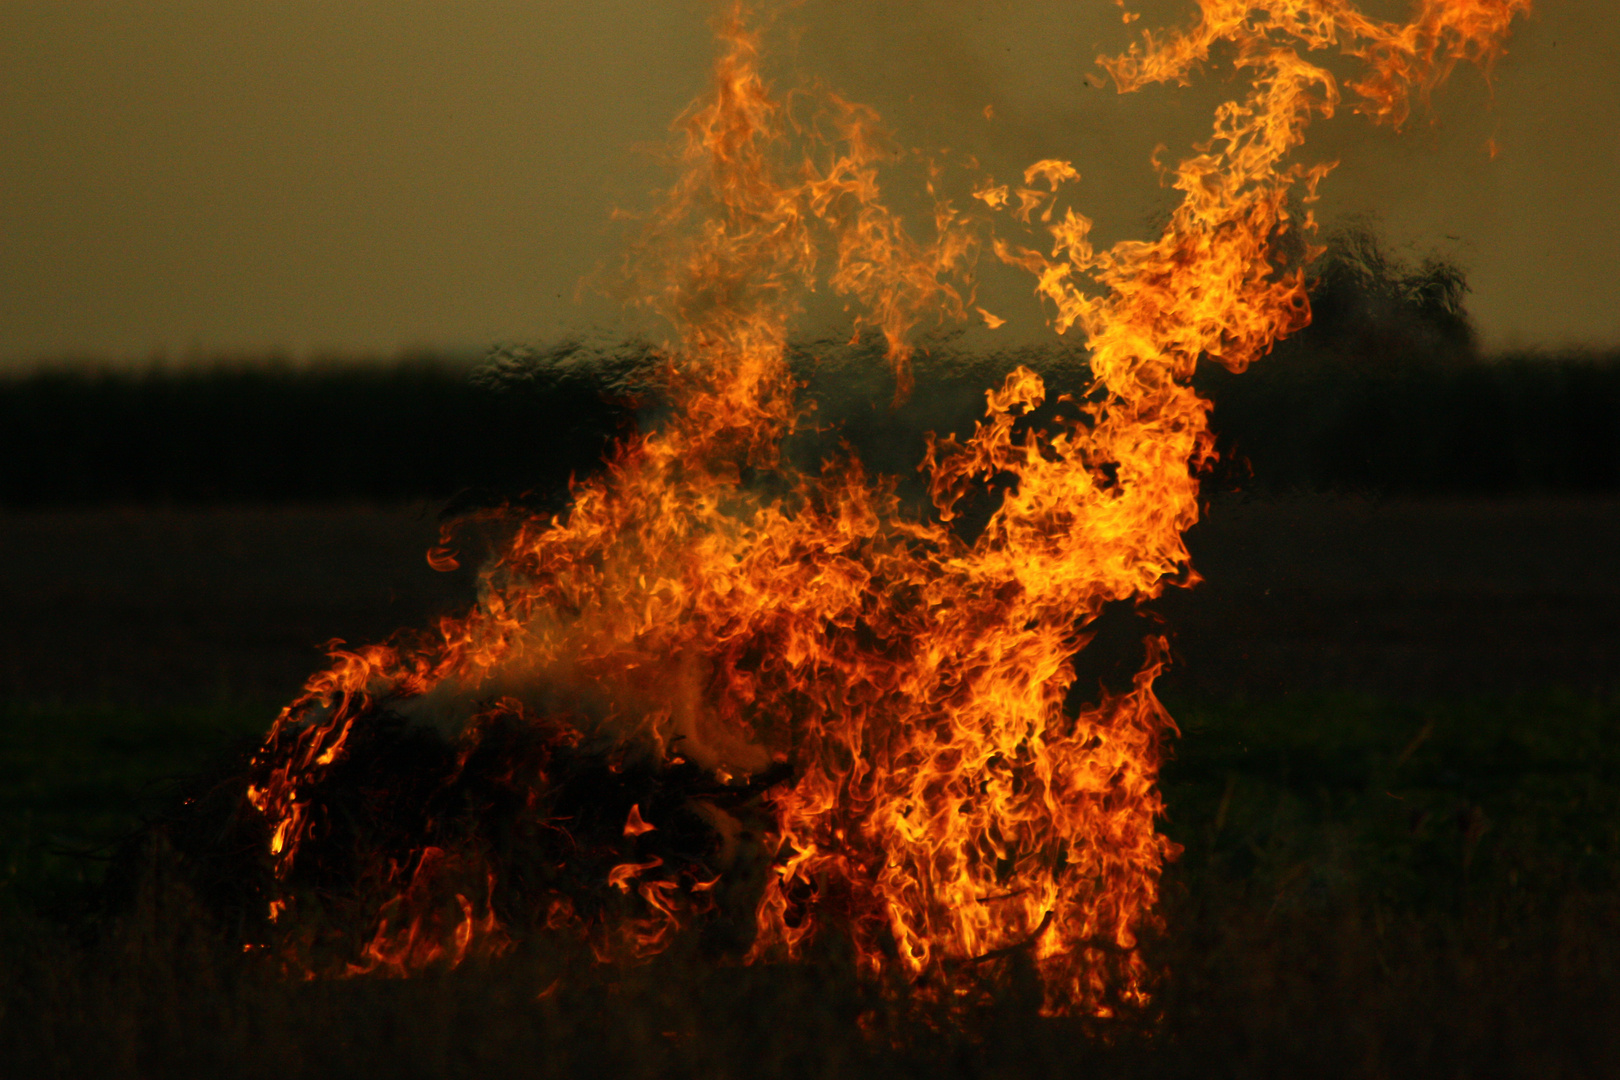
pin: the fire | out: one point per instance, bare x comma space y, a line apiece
885, 694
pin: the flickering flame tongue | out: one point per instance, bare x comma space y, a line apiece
897, 691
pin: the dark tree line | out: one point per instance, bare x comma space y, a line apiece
1385, 391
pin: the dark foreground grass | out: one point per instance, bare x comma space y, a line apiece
1367, 889
77, 781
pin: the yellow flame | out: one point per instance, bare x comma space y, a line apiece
945, 809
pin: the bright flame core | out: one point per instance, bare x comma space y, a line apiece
895, 691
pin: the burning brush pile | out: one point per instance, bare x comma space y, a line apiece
719, 698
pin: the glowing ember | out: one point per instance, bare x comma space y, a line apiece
883, 696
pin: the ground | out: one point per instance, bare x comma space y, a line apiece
1397, 787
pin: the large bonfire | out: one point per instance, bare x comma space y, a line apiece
716, 681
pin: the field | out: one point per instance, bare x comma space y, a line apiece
1397, 788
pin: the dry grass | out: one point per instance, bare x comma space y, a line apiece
1421, 882
1369, 889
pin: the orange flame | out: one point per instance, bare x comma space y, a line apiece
897, 690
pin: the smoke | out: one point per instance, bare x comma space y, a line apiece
989, 88
1528, 225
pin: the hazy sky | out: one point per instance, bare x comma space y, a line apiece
203, 176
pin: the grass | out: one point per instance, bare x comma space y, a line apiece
75, 780
1426, 806
1368, 888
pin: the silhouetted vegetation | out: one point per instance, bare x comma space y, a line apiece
1518, 424
1385, 391
267, 432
